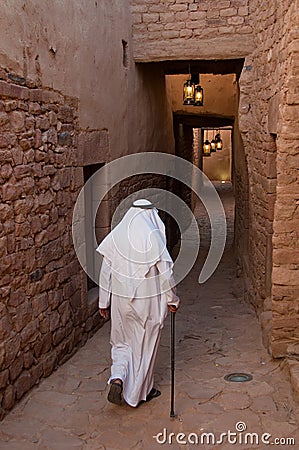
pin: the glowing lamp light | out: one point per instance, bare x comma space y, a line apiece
189, 92
213, 145
219, 145
193, 92
218, 140
207, 148
198, 95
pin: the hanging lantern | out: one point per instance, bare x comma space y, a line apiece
189, 92
218, 140
219, 145
198, 95
207, 148
193, 92
213, 145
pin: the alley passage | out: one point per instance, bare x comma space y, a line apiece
217, 334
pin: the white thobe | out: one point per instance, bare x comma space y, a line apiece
135, 332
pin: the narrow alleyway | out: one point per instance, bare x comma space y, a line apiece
217, 334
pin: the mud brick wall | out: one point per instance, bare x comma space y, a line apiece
44, 315
268, 102
257, 86
180, 29
285, 276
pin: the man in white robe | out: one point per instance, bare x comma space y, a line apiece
136, 274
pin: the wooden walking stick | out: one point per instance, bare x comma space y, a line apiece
172, 363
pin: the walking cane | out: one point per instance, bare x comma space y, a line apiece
172, 363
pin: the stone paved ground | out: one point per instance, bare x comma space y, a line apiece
217, 334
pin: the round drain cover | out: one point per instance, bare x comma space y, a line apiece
238, 377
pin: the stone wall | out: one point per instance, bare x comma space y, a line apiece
267, 120
84, 49
69, 105
190, 29
43, 315
285, 276
241, 193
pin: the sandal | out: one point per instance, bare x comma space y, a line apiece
153, 394
114, 395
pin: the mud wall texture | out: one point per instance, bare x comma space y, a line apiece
269, 129
84, 50
43, 316
285, 279
71, 99
190, 29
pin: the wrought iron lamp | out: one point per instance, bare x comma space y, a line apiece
213, 145
189, 92
206, 148
198, 94
189, 87
193, 92
218, 140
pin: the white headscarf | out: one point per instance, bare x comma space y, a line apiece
136, 244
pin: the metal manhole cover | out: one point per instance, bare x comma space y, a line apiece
238, 377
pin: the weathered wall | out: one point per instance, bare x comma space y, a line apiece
241, 193
70, 98
43, 316
149, 111
191, 29
76, 48
267, 109
285, 276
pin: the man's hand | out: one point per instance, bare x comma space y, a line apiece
172, 308
104, 312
